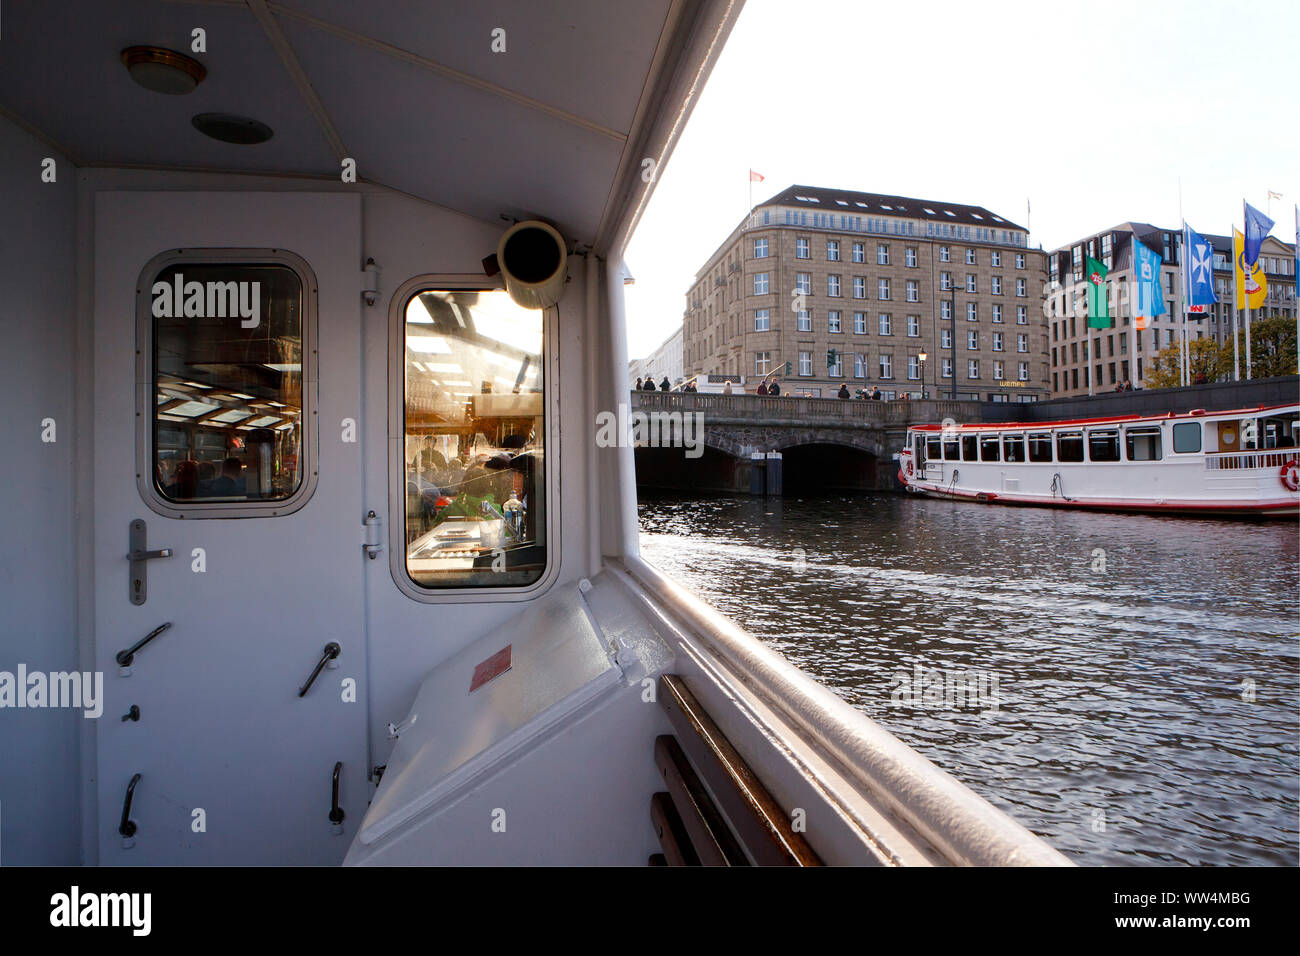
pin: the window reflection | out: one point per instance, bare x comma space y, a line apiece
227, 382
474, 448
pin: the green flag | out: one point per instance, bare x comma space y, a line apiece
1098, 298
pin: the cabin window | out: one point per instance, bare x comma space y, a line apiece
1277, 432
1013, 448
473, 423
932, 449
950, 450
1040, 447
1187, 438
228, 347
1143, 443
969, 448
989, 447
1069, 446
1103, 445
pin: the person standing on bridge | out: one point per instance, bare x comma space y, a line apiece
775, 389
665, 385
726, 388
762, 388
638, 383
844, 391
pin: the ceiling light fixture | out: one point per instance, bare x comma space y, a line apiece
162, 70
229, 128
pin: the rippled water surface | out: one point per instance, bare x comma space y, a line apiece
1125, 686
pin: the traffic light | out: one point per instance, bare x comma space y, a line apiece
830, 358
788, 367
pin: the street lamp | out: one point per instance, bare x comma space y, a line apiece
952, 341
921, 357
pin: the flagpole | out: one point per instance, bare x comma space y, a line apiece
1236, 356
1244, 266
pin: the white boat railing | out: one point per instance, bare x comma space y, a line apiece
1236, 461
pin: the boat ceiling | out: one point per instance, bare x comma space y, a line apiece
554, 127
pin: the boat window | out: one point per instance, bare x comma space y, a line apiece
989, 447
969, 448
932, 449
228, 367
1013, 448
1187, 437
1277, 432
950, 449
1103, 445
474, 448
1069, 446
1040, 446
1143, 443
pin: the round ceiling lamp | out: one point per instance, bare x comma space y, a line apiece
163, 71
229, 128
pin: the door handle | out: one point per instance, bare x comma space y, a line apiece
127, 827
124, 658
139, 555
336, 812
332, 650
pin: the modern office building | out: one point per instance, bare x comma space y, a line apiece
854, 288
1084, 360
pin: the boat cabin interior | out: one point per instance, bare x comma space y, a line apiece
310, 309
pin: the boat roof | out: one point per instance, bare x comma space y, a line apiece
504, 111
1112, 419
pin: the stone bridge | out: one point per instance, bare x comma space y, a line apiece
825, 442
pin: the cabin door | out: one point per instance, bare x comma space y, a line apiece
225, 432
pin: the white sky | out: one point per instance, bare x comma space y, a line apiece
1092, 111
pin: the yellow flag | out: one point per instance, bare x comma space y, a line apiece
1252, 287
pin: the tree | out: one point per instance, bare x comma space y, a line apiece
1207, 364
1272, 347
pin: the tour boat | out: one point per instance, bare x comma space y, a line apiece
313, 309
1238, 462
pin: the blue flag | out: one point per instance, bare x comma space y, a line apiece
1148, 299
1198, 268
1257, 228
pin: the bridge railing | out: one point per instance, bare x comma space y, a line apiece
811, 411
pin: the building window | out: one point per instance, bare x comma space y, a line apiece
476, 334
760, 248
860, 323
1021, 288
914, 326
760, 283
882, 289
833, 286
945, 255
970, 257
832, 250
805, 363
997, 371
997, 343
1022, 315
886, 366
886, 324
913, 367
835, 369
859, 366
945, 281
911, 257
1020, 260
801, 249
859, 252
803, 283
762, 363
1022, 371
945, 338
945, 309
859, 287
997, 313
762, 320
973, 368
972, 312
833, 322
972, 339
1022, 342
970, 283
803, 320
882, 254
997, 285
945, 368
913, 291
995, 258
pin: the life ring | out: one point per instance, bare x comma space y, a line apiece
1290, 475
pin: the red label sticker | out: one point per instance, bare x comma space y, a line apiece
493, 667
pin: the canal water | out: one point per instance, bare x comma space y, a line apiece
1124, 686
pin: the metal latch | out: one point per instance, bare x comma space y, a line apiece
139, 556
374, 526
